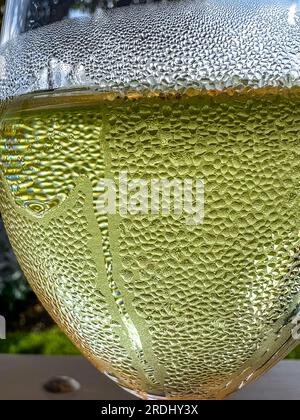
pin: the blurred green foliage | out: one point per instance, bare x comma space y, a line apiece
13, 287
49, 342
295, 354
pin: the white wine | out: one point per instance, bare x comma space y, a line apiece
169, 309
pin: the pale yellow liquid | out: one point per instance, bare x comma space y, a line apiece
169, 309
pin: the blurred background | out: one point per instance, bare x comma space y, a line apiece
29, 328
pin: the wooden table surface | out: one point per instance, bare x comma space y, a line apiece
22, 378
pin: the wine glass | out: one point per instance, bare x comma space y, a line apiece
150, 183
